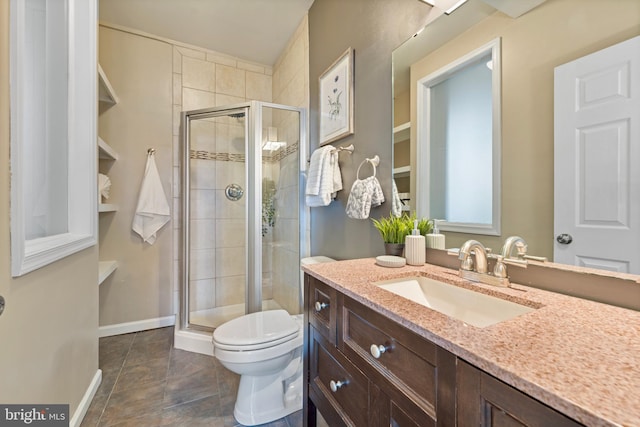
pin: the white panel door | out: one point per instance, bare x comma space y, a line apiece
597, 160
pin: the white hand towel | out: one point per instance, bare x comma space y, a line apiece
316, 169
323, 178
337, 176
152, 212
396, 203
104, 185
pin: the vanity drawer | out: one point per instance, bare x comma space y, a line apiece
411, 367
337, 388
322, 307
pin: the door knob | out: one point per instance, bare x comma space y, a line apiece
564, 239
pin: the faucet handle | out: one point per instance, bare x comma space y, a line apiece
499, 270
535, 258
517, 262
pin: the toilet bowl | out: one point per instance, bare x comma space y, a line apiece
265, 349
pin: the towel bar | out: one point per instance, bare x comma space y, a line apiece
349, 149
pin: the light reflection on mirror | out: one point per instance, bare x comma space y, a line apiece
533, 45
458, 172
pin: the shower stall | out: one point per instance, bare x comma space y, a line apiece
244, 229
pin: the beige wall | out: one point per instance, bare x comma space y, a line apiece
140, 70
554, 33
401, 108
49, 329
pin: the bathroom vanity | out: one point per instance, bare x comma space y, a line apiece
376, 358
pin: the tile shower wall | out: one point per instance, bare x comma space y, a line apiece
290, 87
204, 79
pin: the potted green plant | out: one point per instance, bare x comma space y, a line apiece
393, 231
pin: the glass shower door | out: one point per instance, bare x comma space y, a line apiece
215, 193
280, 232
241, 192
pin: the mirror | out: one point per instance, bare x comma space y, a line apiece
533, 44
458, 143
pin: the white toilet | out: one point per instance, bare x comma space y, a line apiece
265, 348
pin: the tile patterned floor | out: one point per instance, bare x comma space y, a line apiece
148, 383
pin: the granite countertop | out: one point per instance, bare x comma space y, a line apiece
580, 357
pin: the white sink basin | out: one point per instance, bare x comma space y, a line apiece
468, 306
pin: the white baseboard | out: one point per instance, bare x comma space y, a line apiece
137, 326
78, 416
194, 341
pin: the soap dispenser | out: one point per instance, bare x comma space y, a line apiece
435, 240
414, 247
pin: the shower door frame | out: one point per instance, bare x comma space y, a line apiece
253, 192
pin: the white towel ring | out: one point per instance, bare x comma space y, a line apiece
374, 162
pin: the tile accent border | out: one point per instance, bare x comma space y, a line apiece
278, 156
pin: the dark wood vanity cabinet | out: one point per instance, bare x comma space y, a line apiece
364, 369
416, 376
410, 383
486, 401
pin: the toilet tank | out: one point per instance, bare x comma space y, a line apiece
315, 260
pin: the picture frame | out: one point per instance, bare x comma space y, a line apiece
336, 99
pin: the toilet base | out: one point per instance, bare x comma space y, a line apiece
262, 399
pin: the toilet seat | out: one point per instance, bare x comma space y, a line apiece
256, 331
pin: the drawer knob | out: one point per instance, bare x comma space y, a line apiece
335, 385
321, 305
377, 350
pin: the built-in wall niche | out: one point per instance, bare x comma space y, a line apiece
53, 130
106, 156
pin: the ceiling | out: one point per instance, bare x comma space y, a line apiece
254, 30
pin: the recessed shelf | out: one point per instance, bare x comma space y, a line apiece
105, 151
401, 172
106, 94
401, 132
105, 268
106, 207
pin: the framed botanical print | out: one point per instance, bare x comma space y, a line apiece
336, 99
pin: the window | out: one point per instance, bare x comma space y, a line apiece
53, 130
459, 143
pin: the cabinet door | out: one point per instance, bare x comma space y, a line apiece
395, 411
336, 387
486, 401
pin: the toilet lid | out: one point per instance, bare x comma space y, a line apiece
256, 328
